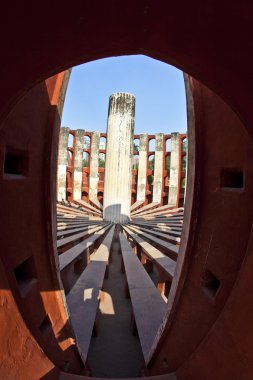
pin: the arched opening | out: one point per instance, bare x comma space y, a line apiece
184, 150
150, 175
85, 195
135, 167
70, 157
102, 143
87, 143
168, 144
151, 145
70, 139
85, 181
85, 171
101, 160
135, 163
167, 161
185, 145
101, 175
136, 145
143, 146
151, 162
86, 159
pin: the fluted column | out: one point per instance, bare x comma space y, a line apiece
142, 169
78, 163
94, 162
62, 163
119, 152
175, 168
158, 170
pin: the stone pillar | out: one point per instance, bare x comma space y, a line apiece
175, 168
78, 163
94, 161
62, 163
158, 170
186, 168
119, 152
142, 170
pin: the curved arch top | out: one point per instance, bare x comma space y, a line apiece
54, 38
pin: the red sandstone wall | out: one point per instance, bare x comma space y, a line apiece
206, 335
35, 335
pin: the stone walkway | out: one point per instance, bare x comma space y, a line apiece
115, 352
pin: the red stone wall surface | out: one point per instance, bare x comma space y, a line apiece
208, 334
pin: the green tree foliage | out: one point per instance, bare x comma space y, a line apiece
85, 163
150, 179
151, 163
101, 163
167, 163
136, 148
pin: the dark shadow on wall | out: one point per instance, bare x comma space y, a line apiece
113, 214
29, 280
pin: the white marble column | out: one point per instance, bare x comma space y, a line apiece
158, 170
119, 152
186, 168
94, 161
78, 164
62, 163
175, 167
142, 169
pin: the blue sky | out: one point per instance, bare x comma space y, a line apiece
157, 86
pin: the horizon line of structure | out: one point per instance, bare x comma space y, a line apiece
71, 159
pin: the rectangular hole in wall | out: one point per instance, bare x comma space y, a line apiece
66, 366
165, 363
26, 275
231, 178
45, 325
15, 163
210, 283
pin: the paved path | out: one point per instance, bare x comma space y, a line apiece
115, 352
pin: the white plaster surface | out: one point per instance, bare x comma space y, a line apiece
62, 172
62, 164
174, 170
142, 170
94, 161
158, 170
78, 164
119, 152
